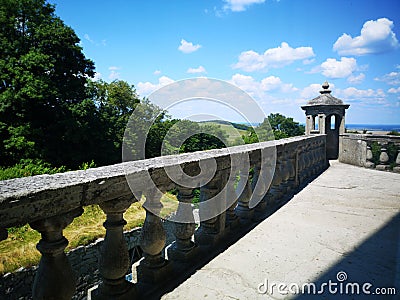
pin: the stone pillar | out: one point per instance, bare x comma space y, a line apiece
243, 211
232, 220
383, 159
153, 268
369, 156
292, 170
211, 228
321, 123
284, 165
301, 164
397, 166
309, 162
257, 191
260, 189
183, 248
114, 259
314, 159
54, 278
274, 192
309, 124
342, 127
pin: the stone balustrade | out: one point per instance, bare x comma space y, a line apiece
381, 152
49, 203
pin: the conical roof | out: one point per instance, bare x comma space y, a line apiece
325, 98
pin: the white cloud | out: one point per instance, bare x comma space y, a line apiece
311, 91
376, 37
240, 5
114, 74
272, 58
394, 90
308, 61
188, 47
157, 72
333, 68
146, 88
200, 69
90, 40
356, 79
392, 78
87, 37
259, 88
370, 96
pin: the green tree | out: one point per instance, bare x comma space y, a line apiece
43, 74
282, 126
279, 125
113, 103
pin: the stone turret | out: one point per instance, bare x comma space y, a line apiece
325, 114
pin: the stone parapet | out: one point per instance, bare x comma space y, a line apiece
51, 202
379, 152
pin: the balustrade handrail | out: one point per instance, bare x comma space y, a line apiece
373, 137
27, 199
48, 203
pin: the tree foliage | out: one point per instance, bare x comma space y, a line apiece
283, 127
275, 126
43, 73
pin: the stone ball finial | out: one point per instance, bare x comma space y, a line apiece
325, 88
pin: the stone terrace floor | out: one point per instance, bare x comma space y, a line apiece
347, 220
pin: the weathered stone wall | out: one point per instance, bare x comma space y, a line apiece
356, 149
84, 261
352, 150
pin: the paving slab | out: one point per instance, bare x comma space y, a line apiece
341, 231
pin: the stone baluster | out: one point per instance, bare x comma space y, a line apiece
322, 158
153, 268
281, 189
397, 162
260, 188
369, 156
311, 160
114, 256
54, 278
232, 220
285, 173
383, 159
243, 211
292, 172
274, 191
308, 162
257, 192
212, 212
314, 170
301, 165
305, 164
183, 249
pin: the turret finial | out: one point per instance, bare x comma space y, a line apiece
325, 88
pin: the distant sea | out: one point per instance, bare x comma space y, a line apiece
374, 127
368, 127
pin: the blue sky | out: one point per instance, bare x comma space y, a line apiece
280, 52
